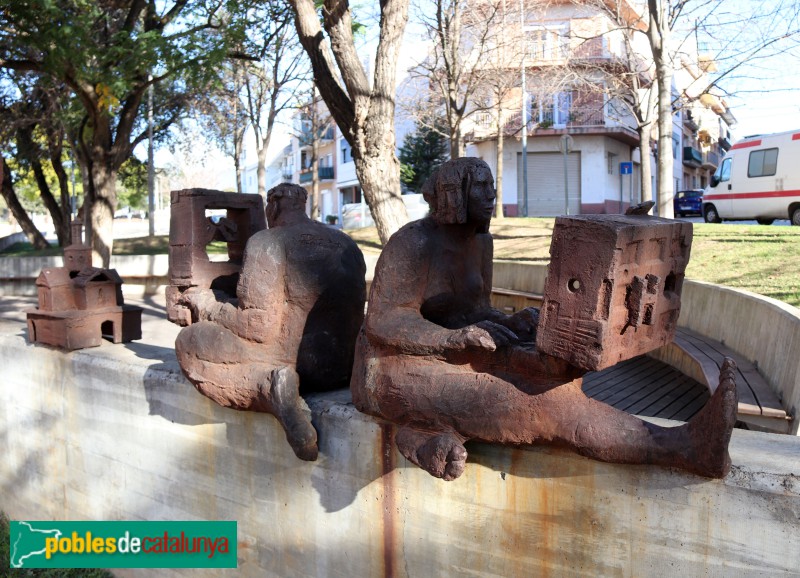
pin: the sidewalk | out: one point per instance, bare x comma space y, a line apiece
156, 330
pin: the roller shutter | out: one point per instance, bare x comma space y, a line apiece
546, 184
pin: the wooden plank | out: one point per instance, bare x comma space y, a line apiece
762, 394
646, 387
675, 408
629, 385
612, 377
655, 404
709, 357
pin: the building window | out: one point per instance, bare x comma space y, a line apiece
550, 43
552, 110
610, 162
763, 163
347, 152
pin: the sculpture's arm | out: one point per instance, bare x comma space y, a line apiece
260, 292
253, 324
522, 323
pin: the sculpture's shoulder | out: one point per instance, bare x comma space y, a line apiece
412, 238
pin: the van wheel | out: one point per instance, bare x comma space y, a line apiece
765, 221
711, 215
796, 216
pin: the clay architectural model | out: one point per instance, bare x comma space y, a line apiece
80, 304
436, 359
191, 231
300, 304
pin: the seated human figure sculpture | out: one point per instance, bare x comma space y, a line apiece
434, 358
300, 304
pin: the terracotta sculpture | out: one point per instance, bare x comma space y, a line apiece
436, 359
300, 304
80, 304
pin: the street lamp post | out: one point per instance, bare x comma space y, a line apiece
524, 116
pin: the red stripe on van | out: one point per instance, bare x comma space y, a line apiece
764, 195
744, 145
796, 136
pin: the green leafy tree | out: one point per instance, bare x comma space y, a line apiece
132, 184
422, 151
107, 54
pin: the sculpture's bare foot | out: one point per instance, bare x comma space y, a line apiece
289, 410
442, 455
710, 430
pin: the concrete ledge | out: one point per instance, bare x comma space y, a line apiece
116, 432
142, 274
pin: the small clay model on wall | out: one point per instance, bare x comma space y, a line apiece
80, 304
292, 330
436, 359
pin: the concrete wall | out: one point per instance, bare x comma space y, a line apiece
115, 432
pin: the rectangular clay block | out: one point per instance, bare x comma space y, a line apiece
613, 287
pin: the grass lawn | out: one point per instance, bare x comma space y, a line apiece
762, 259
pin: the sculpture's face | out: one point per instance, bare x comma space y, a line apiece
480, 204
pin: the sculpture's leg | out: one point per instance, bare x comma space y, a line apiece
231, 371
602, 432
441, 454
292, 412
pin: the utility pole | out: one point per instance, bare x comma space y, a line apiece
151, 173
524, 116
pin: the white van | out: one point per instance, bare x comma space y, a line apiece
758, 179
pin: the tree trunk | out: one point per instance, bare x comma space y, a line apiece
104, 184
644, 157
28, 150
261, 171
63, 185
315, 210
658, 36
498, 179
365, 114
7, 189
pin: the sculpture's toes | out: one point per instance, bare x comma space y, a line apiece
710, 430
442, 455
293, 414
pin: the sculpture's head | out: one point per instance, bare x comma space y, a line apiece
285, 199
461, 191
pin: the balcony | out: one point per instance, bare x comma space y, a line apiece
692, 157
710, 160
287, 175
306, 137
575, 120
325, 173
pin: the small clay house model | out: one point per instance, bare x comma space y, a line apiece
613, 287
80, 304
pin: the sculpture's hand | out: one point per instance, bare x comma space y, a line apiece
524, 323
199, 301
501, 335
470, 336
484, 335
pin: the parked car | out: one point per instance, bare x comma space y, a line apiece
688, 203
